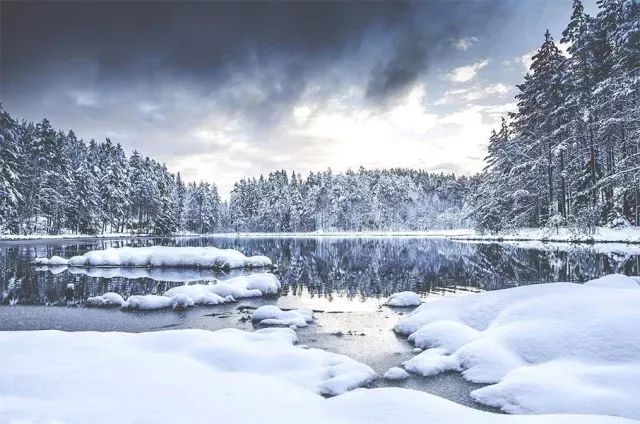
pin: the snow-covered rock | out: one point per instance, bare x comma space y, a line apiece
546, 348
396, 373
162, 256
272, 315
152, 302
405, 298
198, 376
106, 300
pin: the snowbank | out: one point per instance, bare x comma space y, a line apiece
182, 297
547, 348
197, 376
405, 298
161, 256
272, 315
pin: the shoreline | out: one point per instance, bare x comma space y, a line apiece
630, 235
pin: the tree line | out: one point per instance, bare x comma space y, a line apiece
52, 182
570, 154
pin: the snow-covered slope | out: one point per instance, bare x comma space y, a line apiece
161, 256
197, 376
548, 348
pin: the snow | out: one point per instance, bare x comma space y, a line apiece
106, 300
228, 376
186, 296
272, 315
396, 373
162, 256
152, 302
405, 298
546, 348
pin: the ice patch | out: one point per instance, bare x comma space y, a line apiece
272, 315
405, 298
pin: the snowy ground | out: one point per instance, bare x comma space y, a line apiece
546, 348
195, 376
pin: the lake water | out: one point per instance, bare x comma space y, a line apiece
345, 279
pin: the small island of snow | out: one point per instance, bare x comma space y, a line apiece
161, 256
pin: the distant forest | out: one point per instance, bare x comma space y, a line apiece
52, 182
569, 156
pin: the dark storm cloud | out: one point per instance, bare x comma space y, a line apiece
206, 42
427, 36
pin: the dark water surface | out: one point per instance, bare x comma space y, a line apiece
345, 279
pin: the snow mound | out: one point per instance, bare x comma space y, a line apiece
615, 281
272, 315
106, 300
197, 376
162, 256
183, 297
546, 348
405, 298
152, 302
396, 373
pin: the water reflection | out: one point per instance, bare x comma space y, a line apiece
354, 268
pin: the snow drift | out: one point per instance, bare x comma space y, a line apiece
197, 376
161, 256
547, 348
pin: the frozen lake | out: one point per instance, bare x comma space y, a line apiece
346, 280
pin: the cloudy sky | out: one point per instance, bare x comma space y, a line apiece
219, 91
